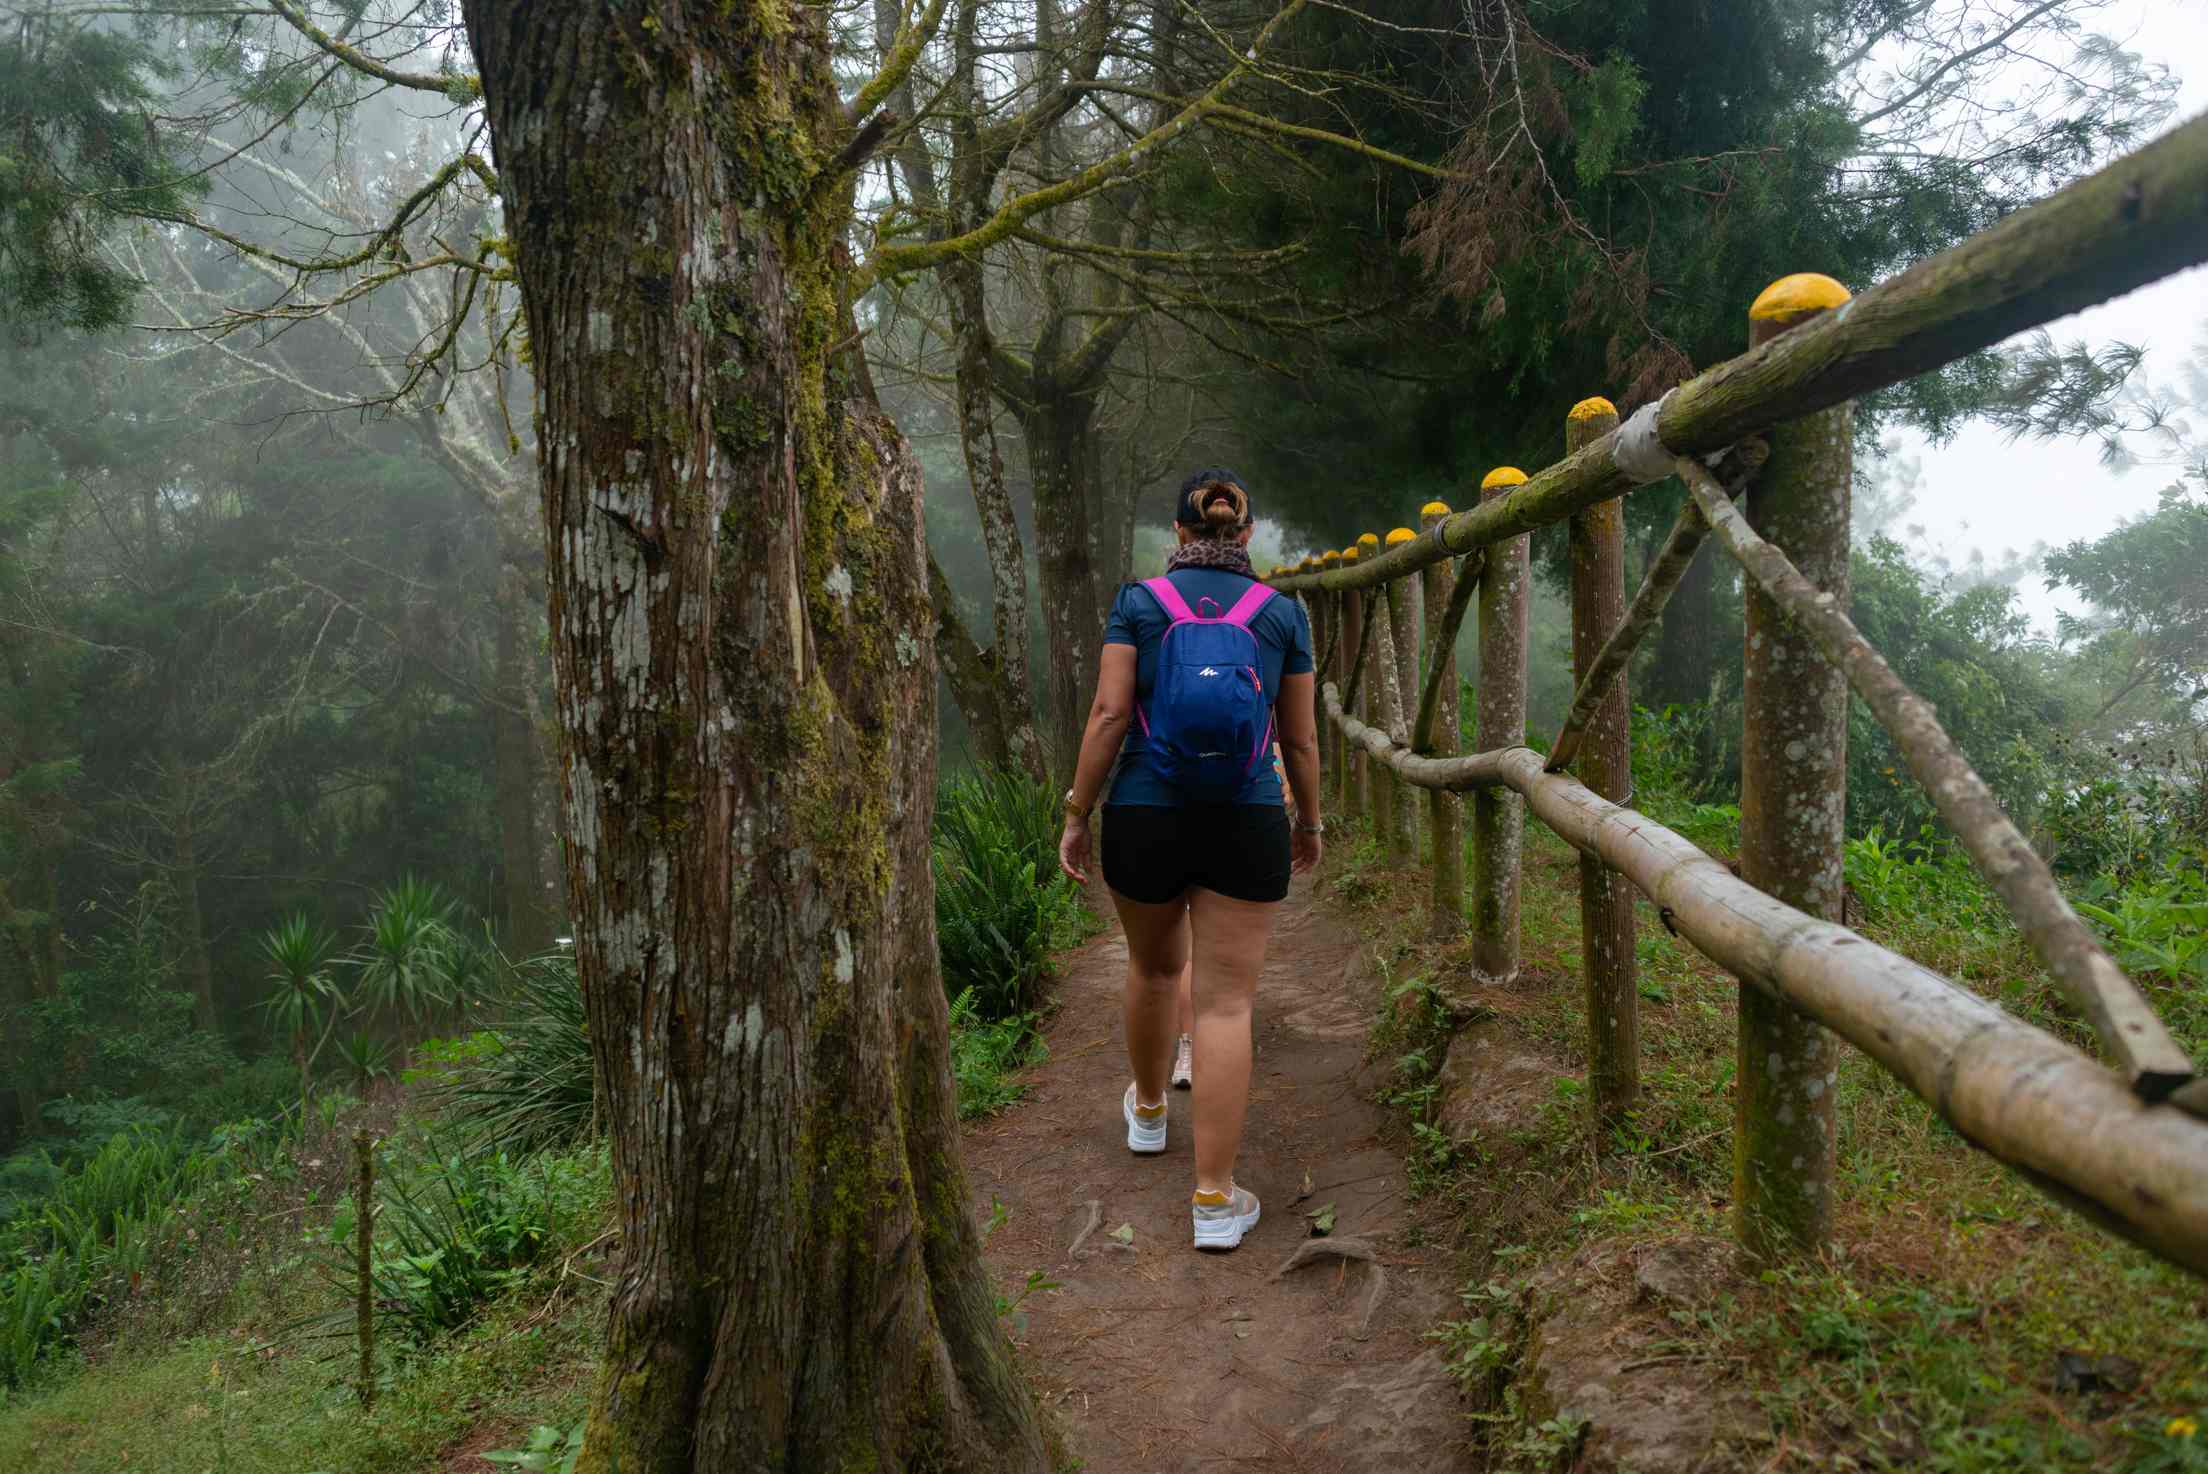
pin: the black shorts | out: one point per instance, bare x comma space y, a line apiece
1153, 854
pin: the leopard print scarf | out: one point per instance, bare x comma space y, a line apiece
1208, 552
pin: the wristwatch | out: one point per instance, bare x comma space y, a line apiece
1074, 810
1303, 828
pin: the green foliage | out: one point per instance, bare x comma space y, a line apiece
2157, 927
410, 960
455, 1228
1969, 653
1001, 904
79, 110
363, 1058
549, 1451
94, 1230
527, 1081
2150, 603
987, 1057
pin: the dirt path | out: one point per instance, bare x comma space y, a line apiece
1158, 1359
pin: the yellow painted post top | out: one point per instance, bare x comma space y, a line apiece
1330, 559
1349, 554
1503, 476
1401, 535
1588, 409
1432, 510
1368, 540
1797, 296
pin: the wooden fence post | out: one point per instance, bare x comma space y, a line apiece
1498, 815
1381, 689
1607, 960
1793, 807
1330, 738
1355, 764
1403, 637
1378, 782
364, 1235
1444, 810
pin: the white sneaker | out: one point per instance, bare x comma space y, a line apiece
1184, 1064
1221, 1218
1145, 1124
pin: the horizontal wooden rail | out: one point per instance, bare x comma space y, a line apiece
2124, 1021
2136, 221
2067, 1124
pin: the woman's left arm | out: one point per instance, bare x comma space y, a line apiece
1108, 717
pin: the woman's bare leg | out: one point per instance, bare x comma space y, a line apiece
1184, 1013
1157, 957
1228, 953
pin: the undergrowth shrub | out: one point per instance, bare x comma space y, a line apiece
457, 1227
526, 1081
95, 1230
987, 1056
1001, 904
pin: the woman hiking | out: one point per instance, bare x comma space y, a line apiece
1203, 670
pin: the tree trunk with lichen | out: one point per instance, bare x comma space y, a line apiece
1000, 529
971, 673
742, 647
1058, 428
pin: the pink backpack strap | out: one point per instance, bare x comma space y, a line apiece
1176, 608
1245, 608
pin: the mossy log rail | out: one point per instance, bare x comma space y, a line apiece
2138, 220
2089, 977
2065, 1122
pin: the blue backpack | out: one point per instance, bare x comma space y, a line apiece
1210, 723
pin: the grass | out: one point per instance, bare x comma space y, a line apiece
1931, 1338
220, 1403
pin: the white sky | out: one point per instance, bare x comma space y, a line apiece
1981, 491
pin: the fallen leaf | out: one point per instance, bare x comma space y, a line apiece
1306, 1185
1125, 1233
1322, 1221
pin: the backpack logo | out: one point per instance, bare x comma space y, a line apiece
1207, 671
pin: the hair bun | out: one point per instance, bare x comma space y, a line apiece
1223, 505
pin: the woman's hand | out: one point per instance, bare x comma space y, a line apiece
1305, 851
1073, 849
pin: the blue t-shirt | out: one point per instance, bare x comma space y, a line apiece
1284, 649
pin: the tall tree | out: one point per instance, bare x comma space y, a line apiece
739, 611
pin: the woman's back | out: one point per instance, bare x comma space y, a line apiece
1283, 636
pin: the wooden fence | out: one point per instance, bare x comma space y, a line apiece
2128, 1146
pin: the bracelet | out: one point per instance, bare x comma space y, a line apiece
1318, 828
1074, 810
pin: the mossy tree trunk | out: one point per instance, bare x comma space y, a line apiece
741, 645
1058, 425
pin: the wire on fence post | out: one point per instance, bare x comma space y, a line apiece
1499, 816
364, 1236
1403, 638
1607, 960
1356, 645
1793, 806
1434, 731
